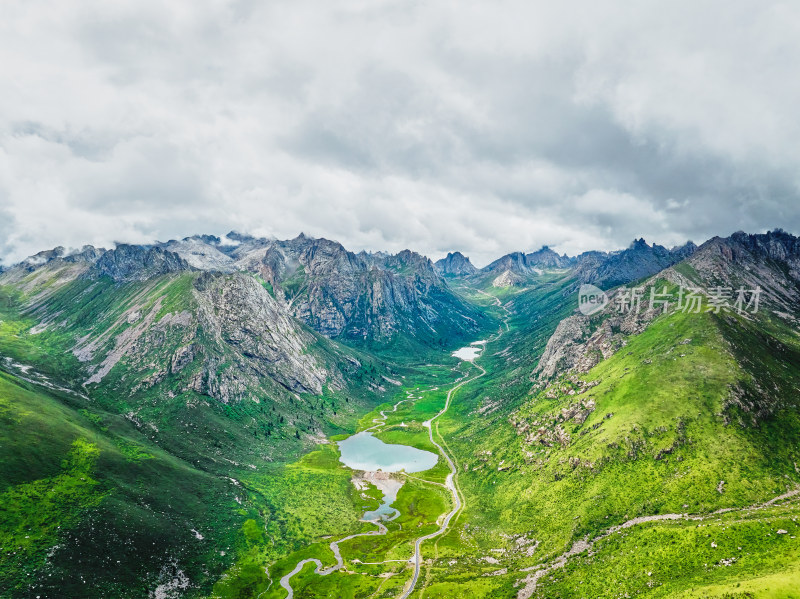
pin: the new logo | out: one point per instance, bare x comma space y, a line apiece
591, 299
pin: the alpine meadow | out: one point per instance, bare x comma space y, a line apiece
175, 417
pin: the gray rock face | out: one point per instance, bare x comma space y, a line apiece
640, 260
580, 342
547, 258
514, 262
455, 264
88, 254
681, 252
202, 252
525, 265
368, 297
770, 261
508, 279
137, 263
588, 263
264, 341
233, 342
41, 258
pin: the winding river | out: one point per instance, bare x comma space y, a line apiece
378, 460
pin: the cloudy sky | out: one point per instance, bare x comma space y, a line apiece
480, 126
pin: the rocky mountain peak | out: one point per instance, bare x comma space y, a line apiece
514, 262
776, 244
455, 264
412, 259
547, 258
43, 257
138, 263
523, 264
685, 250
87, 253
240, 237
638, 261
770, 261
201, 252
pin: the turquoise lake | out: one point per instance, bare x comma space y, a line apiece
366, 452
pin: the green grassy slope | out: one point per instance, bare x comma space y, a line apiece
114, 484
88, 500
659, 435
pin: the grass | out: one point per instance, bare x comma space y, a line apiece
658, 440
736, 552
35, 513
164, 478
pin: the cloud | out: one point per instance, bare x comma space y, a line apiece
484, 127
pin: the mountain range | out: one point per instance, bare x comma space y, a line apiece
169, 414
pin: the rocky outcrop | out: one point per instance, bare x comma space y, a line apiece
250, 326
508, 279
580, 342
203, 252
138, 263
455, 264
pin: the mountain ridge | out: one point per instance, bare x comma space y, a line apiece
174, 405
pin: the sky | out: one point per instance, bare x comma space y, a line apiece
484, 127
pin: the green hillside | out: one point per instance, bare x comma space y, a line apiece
654, 429
113, 488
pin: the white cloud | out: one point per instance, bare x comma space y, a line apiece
484, 127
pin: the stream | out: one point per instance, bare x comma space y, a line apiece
377, 462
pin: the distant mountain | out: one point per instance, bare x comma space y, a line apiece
455, 264
547, 258
638, 261
524, 265
514, 262
366, 297
137, 263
